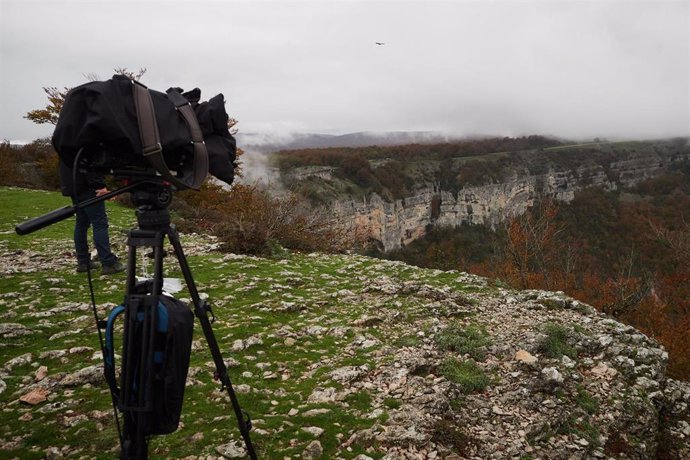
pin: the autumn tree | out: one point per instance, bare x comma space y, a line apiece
51, 112
532, 244
676, 239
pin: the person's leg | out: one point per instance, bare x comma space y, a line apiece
81, 228
99, 222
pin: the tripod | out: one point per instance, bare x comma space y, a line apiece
135, 400
141, 301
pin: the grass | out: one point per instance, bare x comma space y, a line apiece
586, 401
249, 296
392, 403
555, 344
18, 205
467, 375
471, 340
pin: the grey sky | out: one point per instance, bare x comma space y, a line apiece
568, 68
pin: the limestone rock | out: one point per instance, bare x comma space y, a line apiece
232, 449
41, 373
525, 357
552, 375
313, 430
36, 396
90, 374
313, 451
348, 373
322, 395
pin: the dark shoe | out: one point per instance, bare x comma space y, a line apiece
84, 266
117, 267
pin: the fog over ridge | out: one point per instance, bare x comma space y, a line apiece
573, 69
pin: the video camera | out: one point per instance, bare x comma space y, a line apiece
154, 140
120, 124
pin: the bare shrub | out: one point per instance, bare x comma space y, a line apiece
248, 219
33, 165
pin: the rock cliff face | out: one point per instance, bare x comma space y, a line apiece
392, 224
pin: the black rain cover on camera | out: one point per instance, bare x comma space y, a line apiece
101, 116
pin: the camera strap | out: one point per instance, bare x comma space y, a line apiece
151, 145
185, 109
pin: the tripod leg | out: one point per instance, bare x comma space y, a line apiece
201, 312
138, 346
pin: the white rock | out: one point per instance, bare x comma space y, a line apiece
315, 330
552, 375
348, 373
646, 383
605, 340
315, 412
237, 345
376, 413
567, 362
231, 450
313, 450
253, 340
322, 395
313, 430
243, 388
18, 361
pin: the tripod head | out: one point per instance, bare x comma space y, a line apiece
152, 201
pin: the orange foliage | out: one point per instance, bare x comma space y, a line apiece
250, 220
539, 256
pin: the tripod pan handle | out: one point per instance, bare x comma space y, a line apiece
40, 222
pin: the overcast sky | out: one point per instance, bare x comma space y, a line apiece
567, 68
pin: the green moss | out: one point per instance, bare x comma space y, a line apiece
392, 403
467, 375
408, 341
586, 401
472, 340
555, 344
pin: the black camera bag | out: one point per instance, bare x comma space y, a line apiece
171, 354
117, 118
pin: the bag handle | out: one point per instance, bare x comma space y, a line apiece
151, 145
109, 352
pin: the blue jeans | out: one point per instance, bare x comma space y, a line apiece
96, 217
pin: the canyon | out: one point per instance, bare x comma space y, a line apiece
557, 173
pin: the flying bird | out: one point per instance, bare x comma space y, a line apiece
380, 43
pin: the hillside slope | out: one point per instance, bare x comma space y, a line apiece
335, 356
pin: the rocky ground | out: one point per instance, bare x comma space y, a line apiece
343, 357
